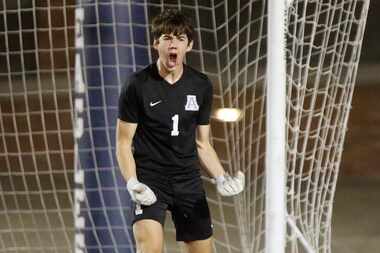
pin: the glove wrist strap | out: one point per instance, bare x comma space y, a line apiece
132, 181
220, 179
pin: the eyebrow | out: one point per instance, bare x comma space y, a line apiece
179, 36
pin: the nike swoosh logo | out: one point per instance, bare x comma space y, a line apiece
155, 103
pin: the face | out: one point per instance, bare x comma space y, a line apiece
172, 50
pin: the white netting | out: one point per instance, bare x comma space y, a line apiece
36, 168
324, 42
37, 56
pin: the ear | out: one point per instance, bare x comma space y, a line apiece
190, 46
155, 43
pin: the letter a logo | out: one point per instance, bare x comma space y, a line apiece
191, 103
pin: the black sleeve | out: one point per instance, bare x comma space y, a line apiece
128, 103
205, 108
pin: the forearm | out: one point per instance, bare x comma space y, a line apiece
126, 161
209, 160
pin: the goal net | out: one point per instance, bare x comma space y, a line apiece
62, 66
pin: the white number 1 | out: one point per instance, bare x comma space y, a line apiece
175, 131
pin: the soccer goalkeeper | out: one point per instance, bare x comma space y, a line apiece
164, 113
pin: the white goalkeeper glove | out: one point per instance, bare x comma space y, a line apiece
230, 186
140, 193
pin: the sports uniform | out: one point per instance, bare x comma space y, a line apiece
165, 151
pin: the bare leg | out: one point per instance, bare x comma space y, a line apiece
149, 236
201, 246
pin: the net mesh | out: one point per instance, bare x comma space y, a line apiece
38, 54
36, 173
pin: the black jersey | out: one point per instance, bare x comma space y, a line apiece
167, 116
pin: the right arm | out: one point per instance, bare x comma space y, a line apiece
125, 130
140, 193
126, 127
124, 136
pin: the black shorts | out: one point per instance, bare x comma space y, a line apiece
184, 196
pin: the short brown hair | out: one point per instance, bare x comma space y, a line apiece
172, 21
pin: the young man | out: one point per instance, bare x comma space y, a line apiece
164, 113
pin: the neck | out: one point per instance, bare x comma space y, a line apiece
169, 76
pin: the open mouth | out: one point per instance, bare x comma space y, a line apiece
172, 59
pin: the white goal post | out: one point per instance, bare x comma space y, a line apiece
275, 158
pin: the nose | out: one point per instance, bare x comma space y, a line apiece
173, 43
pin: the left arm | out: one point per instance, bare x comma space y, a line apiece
206, 153
226, 185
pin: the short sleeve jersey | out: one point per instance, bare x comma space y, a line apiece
167, 116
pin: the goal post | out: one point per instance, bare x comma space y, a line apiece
108, 52
275, 190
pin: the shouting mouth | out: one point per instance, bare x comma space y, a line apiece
172, 60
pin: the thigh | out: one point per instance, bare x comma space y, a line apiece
199, 246
190, 212
156, 211
149, 236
